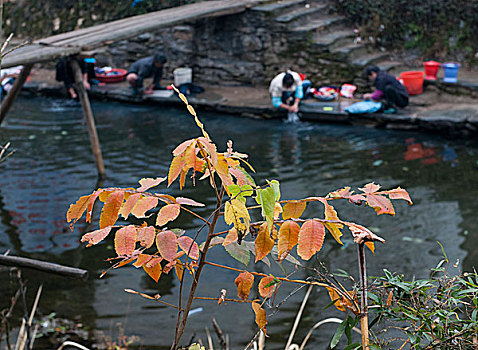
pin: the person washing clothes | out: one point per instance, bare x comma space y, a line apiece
387, 88
143, 68
286, 91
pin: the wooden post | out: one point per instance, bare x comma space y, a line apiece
363, 298
13, 93
90, 120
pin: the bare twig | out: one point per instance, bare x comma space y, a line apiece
219, 334
297, 319
320, 323
209, 339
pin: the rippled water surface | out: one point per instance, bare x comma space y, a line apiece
53, 166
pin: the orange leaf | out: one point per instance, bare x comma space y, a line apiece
371, 246
143, 205
264, 243
146, 236
190, 156
244, 283
182, 178
222, 170
179, 269
334, 228
381, 204
96, 237
210, 148
91, 202
153, 271
231, 237
110, 211
76, 210
264, 291
142, 259
288, 238
311, 238
341, 302
167, 213
148, 183
293, 210
261, 319
129, 204
399, 193
166, 242
125, 240
189, 247
175, 169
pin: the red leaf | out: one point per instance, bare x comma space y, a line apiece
293, 210
91, 202
143, 205
148, 183
231, 237
182, 147
370, 188
111, 208
264, 291
399, 193
76, 210
95, 237
311, 238
188, 201
288, 238
125, 240
167, 213
264, 243
244, 283
166, 242
261, 319
146, 236
189, 247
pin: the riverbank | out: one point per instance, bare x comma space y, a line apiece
436, 110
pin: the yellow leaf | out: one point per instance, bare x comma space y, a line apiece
334, 228
167, 213
277, 210
244, 283
129, 204
175, 169
143, 205
125, 240
264, 291
236, 213
111, 208
233, 163
293, 210
222, 170
261, 319
183, 98
166, 242
264, 243
231, 237
191, 110
76, 210
288, 238
311, 238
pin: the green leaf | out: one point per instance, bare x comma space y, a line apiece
354, 346
276, 186
240, 192
338, 334
238, 252
266, 198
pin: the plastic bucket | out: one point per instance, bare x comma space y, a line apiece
451, 72
431, 69
182, 76
413, 81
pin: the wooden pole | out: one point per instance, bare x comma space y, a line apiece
13, 93
17, 261
88, 113
363, 298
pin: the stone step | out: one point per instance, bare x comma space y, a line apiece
328, 39
367, 59
318, 25
279, 5
388, 65
349, 48
302, 13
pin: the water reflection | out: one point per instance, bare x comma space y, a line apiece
53, 166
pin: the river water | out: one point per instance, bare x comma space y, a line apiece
53, 166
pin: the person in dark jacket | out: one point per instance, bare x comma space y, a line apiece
387, 87
146, 67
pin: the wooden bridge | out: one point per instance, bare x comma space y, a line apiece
87, 39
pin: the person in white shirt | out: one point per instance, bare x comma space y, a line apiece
286, 91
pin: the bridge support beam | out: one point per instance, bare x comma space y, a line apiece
13, 93
88, 113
